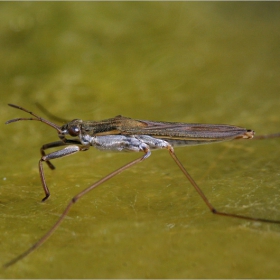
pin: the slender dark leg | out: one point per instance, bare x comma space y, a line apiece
202, 195
266, 136
70, 204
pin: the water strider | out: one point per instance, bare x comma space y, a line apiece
126, 134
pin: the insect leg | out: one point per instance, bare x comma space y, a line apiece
70, 204
54, 145
266, 136
69, 150
205, 199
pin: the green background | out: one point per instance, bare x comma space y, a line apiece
170, 61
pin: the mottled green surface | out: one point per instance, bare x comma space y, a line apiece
187, 62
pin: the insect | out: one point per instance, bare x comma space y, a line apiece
126, 134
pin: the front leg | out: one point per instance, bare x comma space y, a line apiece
69, 150
54, 145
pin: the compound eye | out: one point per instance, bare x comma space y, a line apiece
74, 130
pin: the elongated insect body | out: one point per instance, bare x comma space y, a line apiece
187, 134
125, 134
